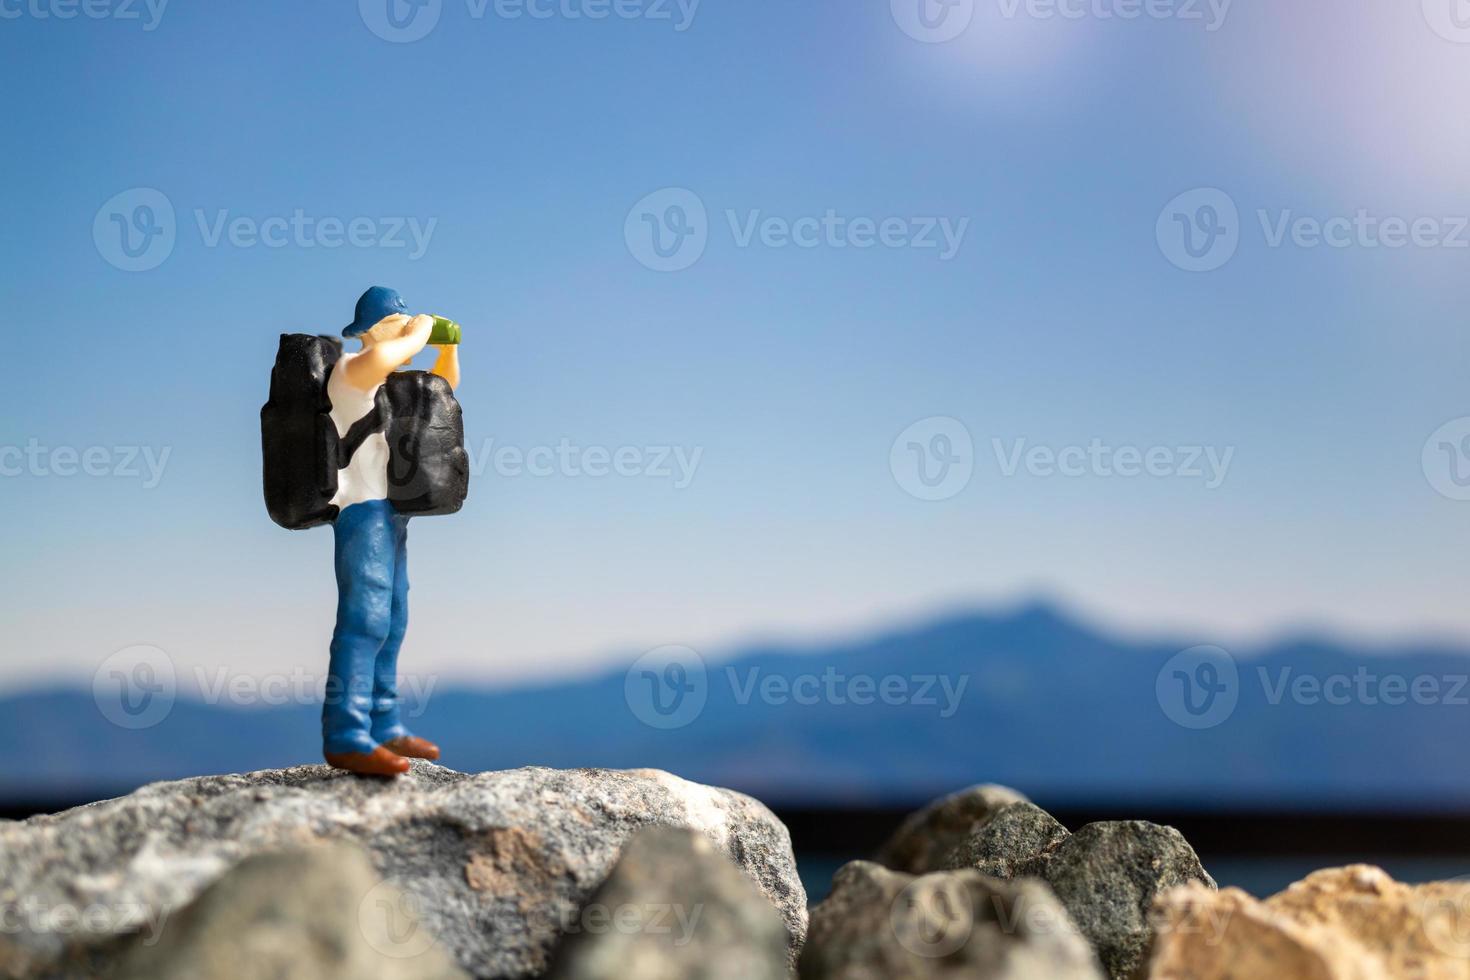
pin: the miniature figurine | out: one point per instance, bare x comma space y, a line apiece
351, 440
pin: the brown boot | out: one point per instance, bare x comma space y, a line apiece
413, 747
378, 762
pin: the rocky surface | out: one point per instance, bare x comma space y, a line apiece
925, 840
1013, 843
1353, 923
494, 862
885, 925
1107, 875
674, 908
600, 875
317, 913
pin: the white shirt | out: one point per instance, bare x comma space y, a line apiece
365, 477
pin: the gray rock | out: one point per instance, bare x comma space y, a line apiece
925, 840
1108, 875
954, 925
317, 913
674, 908
1013, 843
496, 862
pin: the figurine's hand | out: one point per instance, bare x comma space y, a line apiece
398, 322
372, 367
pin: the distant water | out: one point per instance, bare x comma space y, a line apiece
1258, 876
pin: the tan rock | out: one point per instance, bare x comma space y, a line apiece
1353, 923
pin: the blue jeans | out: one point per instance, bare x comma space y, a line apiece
362, 706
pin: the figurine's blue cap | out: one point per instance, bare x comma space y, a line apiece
375, 304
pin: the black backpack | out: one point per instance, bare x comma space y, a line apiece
428, 468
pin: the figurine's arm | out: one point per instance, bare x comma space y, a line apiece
447, 366
371, 368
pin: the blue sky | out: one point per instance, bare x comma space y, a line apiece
521, 148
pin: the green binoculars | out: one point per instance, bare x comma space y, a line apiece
445, 331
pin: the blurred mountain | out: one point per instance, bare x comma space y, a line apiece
1030, 698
